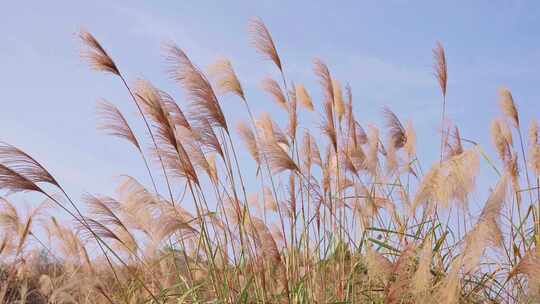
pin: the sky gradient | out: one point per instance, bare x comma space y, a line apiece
382, 50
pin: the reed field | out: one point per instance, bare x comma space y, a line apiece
329, 209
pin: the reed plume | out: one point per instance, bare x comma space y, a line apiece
96, 54
303, 97
114, 123
199, 92
271, 86
263, 42
225, 77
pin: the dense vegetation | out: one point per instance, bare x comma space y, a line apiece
346, 215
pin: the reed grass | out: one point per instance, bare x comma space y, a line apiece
346, 215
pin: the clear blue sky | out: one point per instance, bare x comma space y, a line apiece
383, 50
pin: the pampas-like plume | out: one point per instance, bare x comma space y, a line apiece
460, 176
14, 182
310, 151
396, 130
149, 97
23, 164
506, 102
534, 148
274, 153
534, 159
450, 181
410, 143
441, 72
422, 276
486, 232
92, 227
303, 97
114, 123
377, 265
449, 287
325, 79
96, 54
13, 224
428, 186
5, 244
361, 136
339, 104
263, 42
225, 78
453, 145
270, 130
23, 235
493, 206
270, 252
250, 140
205, 134
199, 92
171, 150
293, 115
277, 158
191, 149
501, 137
529, 265
392, 159
102, 209
70, 244
533, 133
328, 126
10, 221
372, 160
271, 86
174, 218
176, 115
